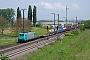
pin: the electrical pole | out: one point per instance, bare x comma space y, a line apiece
23, 18
58, 28
66, 14
54, 18
76, 22
76, 19
58, 19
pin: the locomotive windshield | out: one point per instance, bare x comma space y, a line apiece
21, 34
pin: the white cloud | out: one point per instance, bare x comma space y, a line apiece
75, 6
59, 6
54, 6
46, 5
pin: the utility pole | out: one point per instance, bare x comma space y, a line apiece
23, 18
58, 19
76, 19
66, 14
58, 28
54, 18
76, 22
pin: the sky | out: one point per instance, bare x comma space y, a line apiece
79, 8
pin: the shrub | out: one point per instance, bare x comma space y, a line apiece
2, 57
82, 28
39, 24
69, 34
87, 24
75, 32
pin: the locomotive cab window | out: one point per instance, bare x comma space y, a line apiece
21, 34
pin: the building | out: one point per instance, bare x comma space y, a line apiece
52, 23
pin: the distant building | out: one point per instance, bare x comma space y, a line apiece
52, 23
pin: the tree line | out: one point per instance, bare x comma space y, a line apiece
31, 14
8, 14
7, 19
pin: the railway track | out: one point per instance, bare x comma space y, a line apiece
21, 49
29, 48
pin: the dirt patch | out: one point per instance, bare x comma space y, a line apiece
6, 31
85, 54
56, 59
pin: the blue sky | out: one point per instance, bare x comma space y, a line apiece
79, 8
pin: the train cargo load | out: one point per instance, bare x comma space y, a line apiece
68, 28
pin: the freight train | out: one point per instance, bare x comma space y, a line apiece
26, 36
62, 28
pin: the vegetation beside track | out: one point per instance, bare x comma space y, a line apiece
39, 31
71, 48
7, 42
7, 39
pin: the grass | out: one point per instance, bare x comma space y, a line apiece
7, 39
39, 31
71, 48
7, 42
8, 35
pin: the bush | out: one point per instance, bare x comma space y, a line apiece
69, 34
75, 32
2, 57
87, 24
82, 28
39, 24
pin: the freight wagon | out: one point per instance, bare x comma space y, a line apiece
61, 29
50, 31
68, 28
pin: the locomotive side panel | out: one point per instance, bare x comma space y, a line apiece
30, 35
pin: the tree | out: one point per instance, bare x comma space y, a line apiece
39, 24
18, 26
82, 27
87, 24
30, 13
8, 14
34, 16
3, 24
18, 13
27, 25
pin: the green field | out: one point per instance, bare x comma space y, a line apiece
11, 38
39, 31
71, 48
6, 42
7, 39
